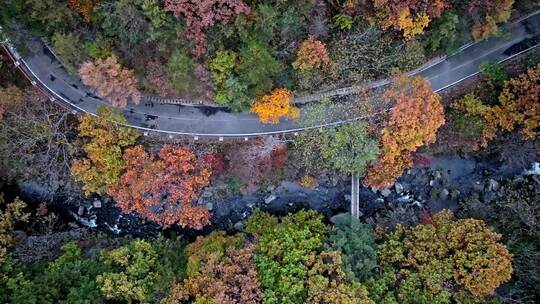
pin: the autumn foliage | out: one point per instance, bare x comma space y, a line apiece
463, 254
203, 14
518, 106
156, 74
10, 214
487, 14
104, 141
162, 188
271, 108
312, 54
10, 97
111, 81
257, 162
413, 123
409, 16
229, 278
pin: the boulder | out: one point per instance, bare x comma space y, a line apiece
239, 226
399, 188
444, 194
492, 185
269, 199
386, 192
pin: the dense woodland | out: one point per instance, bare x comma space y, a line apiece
256, 55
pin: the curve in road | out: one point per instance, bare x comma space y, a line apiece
45, 71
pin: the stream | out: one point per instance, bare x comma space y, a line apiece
433, 184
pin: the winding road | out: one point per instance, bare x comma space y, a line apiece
45, 71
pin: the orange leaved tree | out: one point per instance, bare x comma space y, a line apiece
272, 107
413, 123
111, 81
162, 189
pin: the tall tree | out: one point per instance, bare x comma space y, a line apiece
83, 7
271, 108
486, 15
111, 81
312, 54
350, 148
162, 189
414, 120
34, 139
203, 14
409, 16
105, 140
442, 260
69, 50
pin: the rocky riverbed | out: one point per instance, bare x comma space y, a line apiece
432, 185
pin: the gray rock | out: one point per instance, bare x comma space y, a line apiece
209, 206
386, 192
19, 236
269, 199
478, 187
97, 204
335, 217
444, 194
399, 188
207, 193
454, 193
492, 185
239, 226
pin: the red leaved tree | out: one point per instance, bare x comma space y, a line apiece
258, 161
111, 81
202, 14
311, 54
162, 189
413, 123
228, 279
